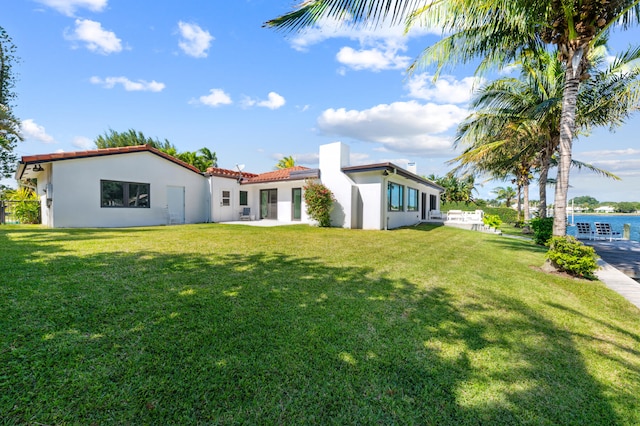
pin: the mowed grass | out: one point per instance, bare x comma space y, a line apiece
221, 324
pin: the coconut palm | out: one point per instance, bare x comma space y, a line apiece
498, 32
523, 113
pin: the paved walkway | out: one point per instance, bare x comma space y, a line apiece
620, 261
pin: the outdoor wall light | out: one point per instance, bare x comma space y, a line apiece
385, 173
38, 168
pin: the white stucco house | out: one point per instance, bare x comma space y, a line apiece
142, 186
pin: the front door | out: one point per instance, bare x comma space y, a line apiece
269, 204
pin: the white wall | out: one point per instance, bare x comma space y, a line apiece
285, 202
76, 190
333, 157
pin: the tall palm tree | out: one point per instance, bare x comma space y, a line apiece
524, 114
498, 32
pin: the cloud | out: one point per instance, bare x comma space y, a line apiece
331, 28
69, 7
610, 152
374, 59
215, 98
129, 86
406, 127
273, 101
194, 40
83, 143
31, 130
95, 37
446, 89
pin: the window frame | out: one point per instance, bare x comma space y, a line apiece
244, 198
413, 194
399, 197
126, 190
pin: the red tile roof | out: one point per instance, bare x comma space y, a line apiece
276, 175
217, 171
44, 158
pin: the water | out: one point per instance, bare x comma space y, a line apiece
617, 223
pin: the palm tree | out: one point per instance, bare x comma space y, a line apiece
286, 163
506, 193
523, 114
499, 32
210, 158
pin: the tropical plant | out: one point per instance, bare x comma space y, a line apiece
9, 124
542, 229
570, 255
286, 162
506, 193
319, 201
25, 206
499, 33
456, 189
209, 157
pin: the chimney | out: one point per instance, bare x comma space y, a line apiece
412, 168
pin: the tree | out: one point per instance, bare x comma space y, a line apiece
131, 137
9, 124
286, 163
499, 33
508, 194
456, 189
209, 157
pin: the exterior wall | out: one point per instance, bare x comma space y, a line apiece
333, 157
220, 212
76, 191
372, 188
285, 202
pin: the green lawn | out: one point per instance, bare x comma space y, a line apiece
218, 324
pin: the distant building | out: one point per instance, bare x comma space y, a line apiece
604, 209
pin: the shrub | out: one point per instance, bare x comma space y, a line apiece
319, 200
569, 255
506, 214
492, 220
25, 206
542, 229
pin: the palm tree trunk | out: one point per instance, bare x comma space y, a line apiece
525, 196
567, 127
519, 202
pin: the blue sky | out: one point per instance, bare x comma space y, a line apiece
207, 74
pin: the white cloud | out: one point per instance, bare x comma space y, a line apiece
374, 59
95, 37
31, 130
69, 7
446, 89
610, 153
194, 40
214, 98
83, 143
129, 86
407, 127
273, 101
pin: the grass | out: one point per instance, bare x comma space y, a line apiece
220, 324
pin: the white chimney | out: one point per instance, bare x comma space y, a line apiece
412, 168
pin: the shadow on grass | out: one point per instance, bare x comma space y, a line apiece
147, 337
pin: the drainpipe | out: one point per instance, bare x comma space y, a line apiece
385, 202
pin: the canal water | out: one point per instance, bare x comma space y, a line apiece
617, 223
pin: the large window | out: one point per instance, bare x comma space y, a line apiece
244, 198
395, 197
412, 199
226, 198
124, 194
